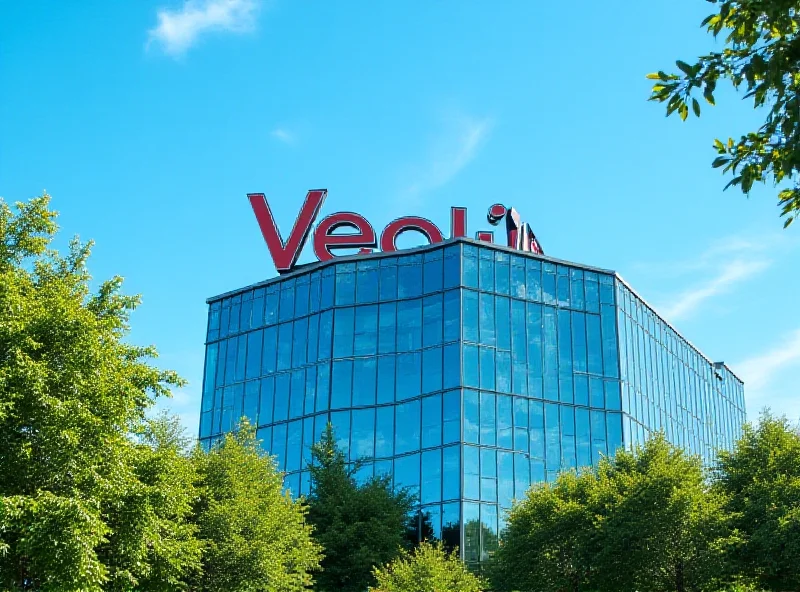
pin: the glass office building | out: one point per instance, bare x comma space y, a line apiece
465, 370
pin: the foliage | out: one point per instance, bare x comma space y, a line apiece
762, 56
152, 543
547, 543
428, 568
358, 526
656, 521
644, 520
761, 481
255, 535
71, 390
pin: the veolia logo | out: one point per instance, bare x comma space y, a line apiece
328, 236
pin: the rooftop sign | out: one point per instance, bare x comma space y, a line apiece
361, 234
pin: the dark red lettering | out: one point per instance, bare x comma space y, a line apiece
285, 255
406, 224
458, 222
325, 241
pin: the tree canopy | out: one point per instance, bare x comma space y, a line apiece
643, 520
72, 391
428, 568
760, 480
761, 55
255, 535
358, 526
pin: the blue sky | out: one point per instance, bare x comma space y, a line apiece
149, 121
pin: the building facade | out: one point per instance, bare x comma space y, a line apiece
465, 370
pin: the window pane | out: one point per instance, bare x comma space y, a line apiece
384, 432
363, 433
281, 396
505, 479
409, 382
504, 412
452, 264
471, 315
294, 445
298, 393
432, 320
407, 439
487, 328
503, 322
452, 366
300, 340
409, 325
366, 331
409, 277
386, 379
488, 420
431, 476
278, 448
343, 327
488, 475
285, 346
367, 282
254, 340
451, 526
452, 472
432, 421
431, 370
469, 269
521, 437
452, 315
433, 274
553, 453
345, 283
325, 334
323, 386
341, 384
406, 473
364, 381
387, 328
471, 472
487, 369
388, 285
266, 400
452, 417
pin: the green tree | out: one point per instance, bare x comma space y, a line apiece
72, 390
255, 536
657, 523
760, 479
548, 540
643, 520
429, 568
152, 545
359, 527
761, 55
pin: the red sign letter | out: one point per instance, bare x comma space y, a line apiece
325, 240
458, 222
401, 225
285, 254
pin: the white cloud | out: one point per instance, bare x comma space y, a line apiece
453, 150
770, 377
730, 273
178, 30
284, 135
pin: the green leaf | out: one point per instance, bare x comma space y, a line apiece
654, 76
696, 107
719, 146
719, 161
685, 68
683, 111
